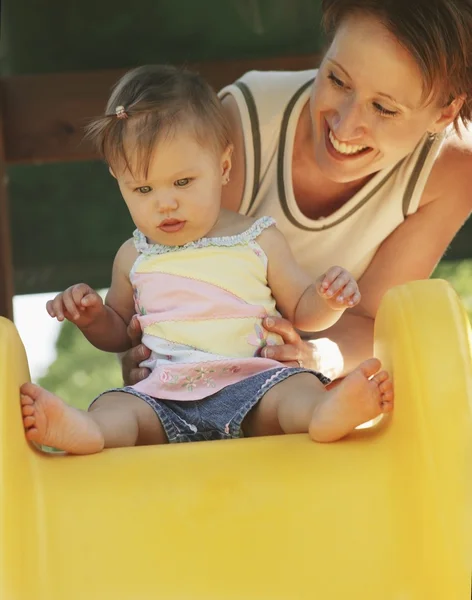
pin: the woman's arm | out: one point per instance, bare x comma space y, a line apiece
411, 252
414, 249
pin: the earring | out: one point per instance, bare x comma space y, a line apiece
226, 180
432, 136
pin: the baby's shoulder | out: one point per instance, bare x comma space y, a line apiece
126, 256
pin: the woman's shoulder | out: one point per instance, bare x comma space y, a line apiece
269, 80
269, 87
451, 174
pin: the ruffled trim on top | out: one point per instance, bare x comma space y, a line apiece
244, 238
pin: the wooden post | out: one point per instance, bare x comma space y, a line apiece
6, 266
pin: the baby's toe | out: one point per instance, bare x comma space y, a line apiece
29, 422
27, 410
386, 406
25, 399
386, 386
32, 435
381, 377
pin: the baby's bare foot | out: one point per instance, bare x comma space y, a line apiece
48, 420
354, 401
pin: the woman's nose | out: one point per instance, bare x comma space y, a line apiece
348, 123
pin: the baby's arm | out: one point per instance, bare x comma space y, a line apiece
103, 324
310, 306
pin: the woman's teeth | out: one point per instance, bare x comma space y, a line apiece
344, 148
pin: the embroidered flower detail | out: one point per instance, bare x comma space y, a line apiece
200, 376
203, 372
165, 377
189, 383
232, 369
260, 339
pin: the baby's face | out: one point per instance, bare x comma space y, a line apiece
179, 201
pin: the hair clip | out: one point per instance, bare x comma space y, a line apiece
121, 112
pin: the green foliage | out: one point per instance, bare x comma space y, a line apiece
80, 371
459, 275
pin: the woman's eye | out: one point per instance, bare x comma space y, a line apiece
384, 111
182, 182
335, 80
145, 189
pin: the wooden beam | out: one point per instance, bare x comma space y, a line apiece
6, 266
44, 115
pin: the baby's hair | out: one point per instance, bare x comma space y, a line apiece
150, 103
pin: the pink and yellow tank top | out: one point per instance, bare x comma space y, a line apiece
200, 307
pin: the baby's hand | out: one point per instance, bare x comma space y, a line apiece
79, 304
339, 288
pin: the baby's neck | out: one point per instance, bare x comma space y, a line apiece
229, 223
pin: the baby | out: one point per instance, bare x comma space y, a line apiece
201, 280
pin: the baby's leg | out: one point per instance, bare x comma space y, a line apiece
115, 420
301, 404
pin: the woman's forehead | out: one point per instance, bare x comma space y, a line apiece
375, 60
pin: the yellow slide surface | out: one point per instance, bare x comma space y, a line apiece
382, 515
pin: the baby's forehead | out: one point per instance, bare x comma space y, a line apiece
166, 162
146, 153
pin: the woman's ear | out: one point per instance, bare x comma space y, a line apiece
448, 114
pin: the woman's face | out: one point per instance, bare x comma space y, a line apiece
367, 107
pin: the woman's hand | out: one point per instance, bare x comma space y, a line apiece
294, 352
131, 371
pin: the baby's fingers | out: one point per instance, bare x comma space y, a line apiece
354, 299
78, 292
338, 284
55, 307
70, 304
91, 300
329, 277
50, 308
349, 294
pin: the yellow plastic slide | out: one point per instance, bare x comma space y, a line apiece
383, 515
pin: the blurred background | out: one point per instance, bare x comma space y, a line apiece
66, 218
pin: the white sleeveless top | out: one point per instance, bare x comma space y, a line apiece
270, 104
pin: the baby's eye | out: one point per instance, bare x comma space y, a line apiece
145, 189
182, 182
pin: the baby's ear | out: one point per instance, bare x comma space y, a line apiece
226, 161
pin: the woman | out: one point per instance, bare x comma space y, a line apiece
364, 163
